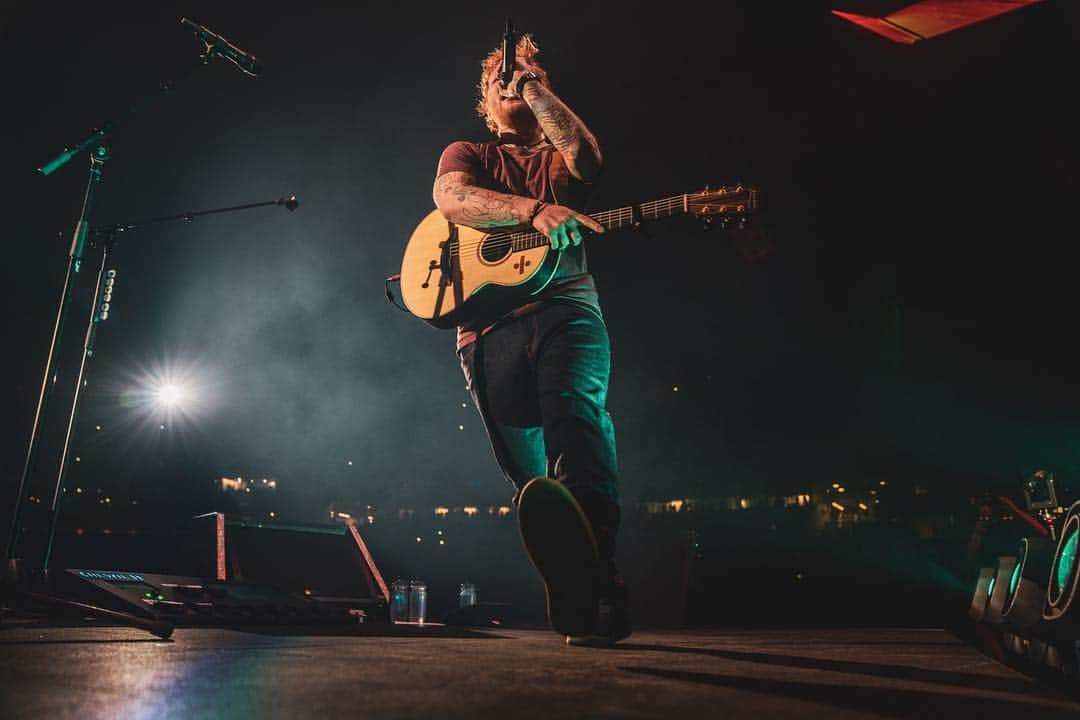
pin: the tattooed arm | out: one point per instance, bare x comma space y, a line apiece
462, 202
565, 130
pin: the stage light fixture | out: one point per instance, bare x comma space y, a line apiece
1025, 597
168, 392
1061, 585
170, 395
997, 590
979, 598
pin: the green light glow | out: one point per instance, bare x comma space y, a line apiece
1014, 580
1065, 562
990, 587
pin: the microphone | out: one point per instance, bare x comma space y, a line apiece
509, 49
217, 45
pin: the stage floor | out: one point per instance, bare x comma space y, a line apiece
67, 672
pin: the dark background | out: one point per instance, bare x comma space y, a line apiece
904, 310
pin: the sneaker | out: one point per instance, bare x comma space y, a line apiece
612, 621
561, 545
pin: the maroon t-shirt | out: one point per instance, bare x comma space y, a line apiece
525, 171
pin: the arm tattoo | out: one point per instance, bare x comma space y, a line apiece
563, 128
476, 206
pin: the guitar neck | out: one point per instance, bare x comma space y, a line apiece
612, 219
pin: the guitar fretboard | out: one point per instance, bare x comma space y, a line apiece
610, 219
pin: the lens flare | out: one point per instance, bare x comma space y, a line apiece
170, 395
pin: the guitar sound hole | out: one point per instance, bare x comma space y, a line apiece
495, 248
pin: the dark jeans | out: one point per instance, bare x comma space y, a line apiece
540, 383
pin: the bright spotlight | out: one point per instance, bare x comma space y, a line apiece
170, 395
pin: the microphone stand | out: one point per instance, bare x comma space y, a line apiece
105, 237
20, 587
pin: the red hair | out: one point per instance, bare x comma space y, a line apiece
526, 51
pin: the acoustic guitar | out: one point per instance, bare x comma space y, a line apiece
451, 273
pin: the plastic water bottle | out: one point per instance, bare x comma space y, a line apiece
417, 601
399, 601
466, 595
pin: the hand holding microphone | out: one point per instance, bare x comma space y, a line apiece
509, 55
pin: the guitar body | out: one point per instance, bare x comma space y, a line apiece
453, 273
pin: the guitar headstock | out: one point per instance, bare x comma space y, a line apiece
731, 202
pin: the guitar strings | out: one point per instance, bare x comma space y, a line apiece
500, 242
608, 216
533, 239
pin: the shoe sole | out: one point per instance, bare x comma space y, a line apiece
596, 641
561, 545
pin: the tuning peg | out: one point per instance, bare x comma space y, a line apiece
706, 222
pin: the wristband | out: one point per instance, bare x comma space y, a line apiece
520, 84
540, 205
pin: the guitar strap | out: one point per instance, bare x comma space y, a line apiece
559, 179
564, 189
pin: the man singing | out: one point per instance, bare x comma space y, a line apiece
538, 372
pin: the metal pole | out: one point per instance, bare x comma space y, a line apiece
78, 245
65, 456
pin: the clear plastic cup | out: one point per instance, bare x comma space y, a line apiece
417, 601
467, 595
399, 601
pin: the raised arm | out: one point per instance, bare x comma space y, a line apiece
564, 129
462, 202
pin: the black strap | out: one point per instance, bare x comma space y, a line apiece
390, 295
